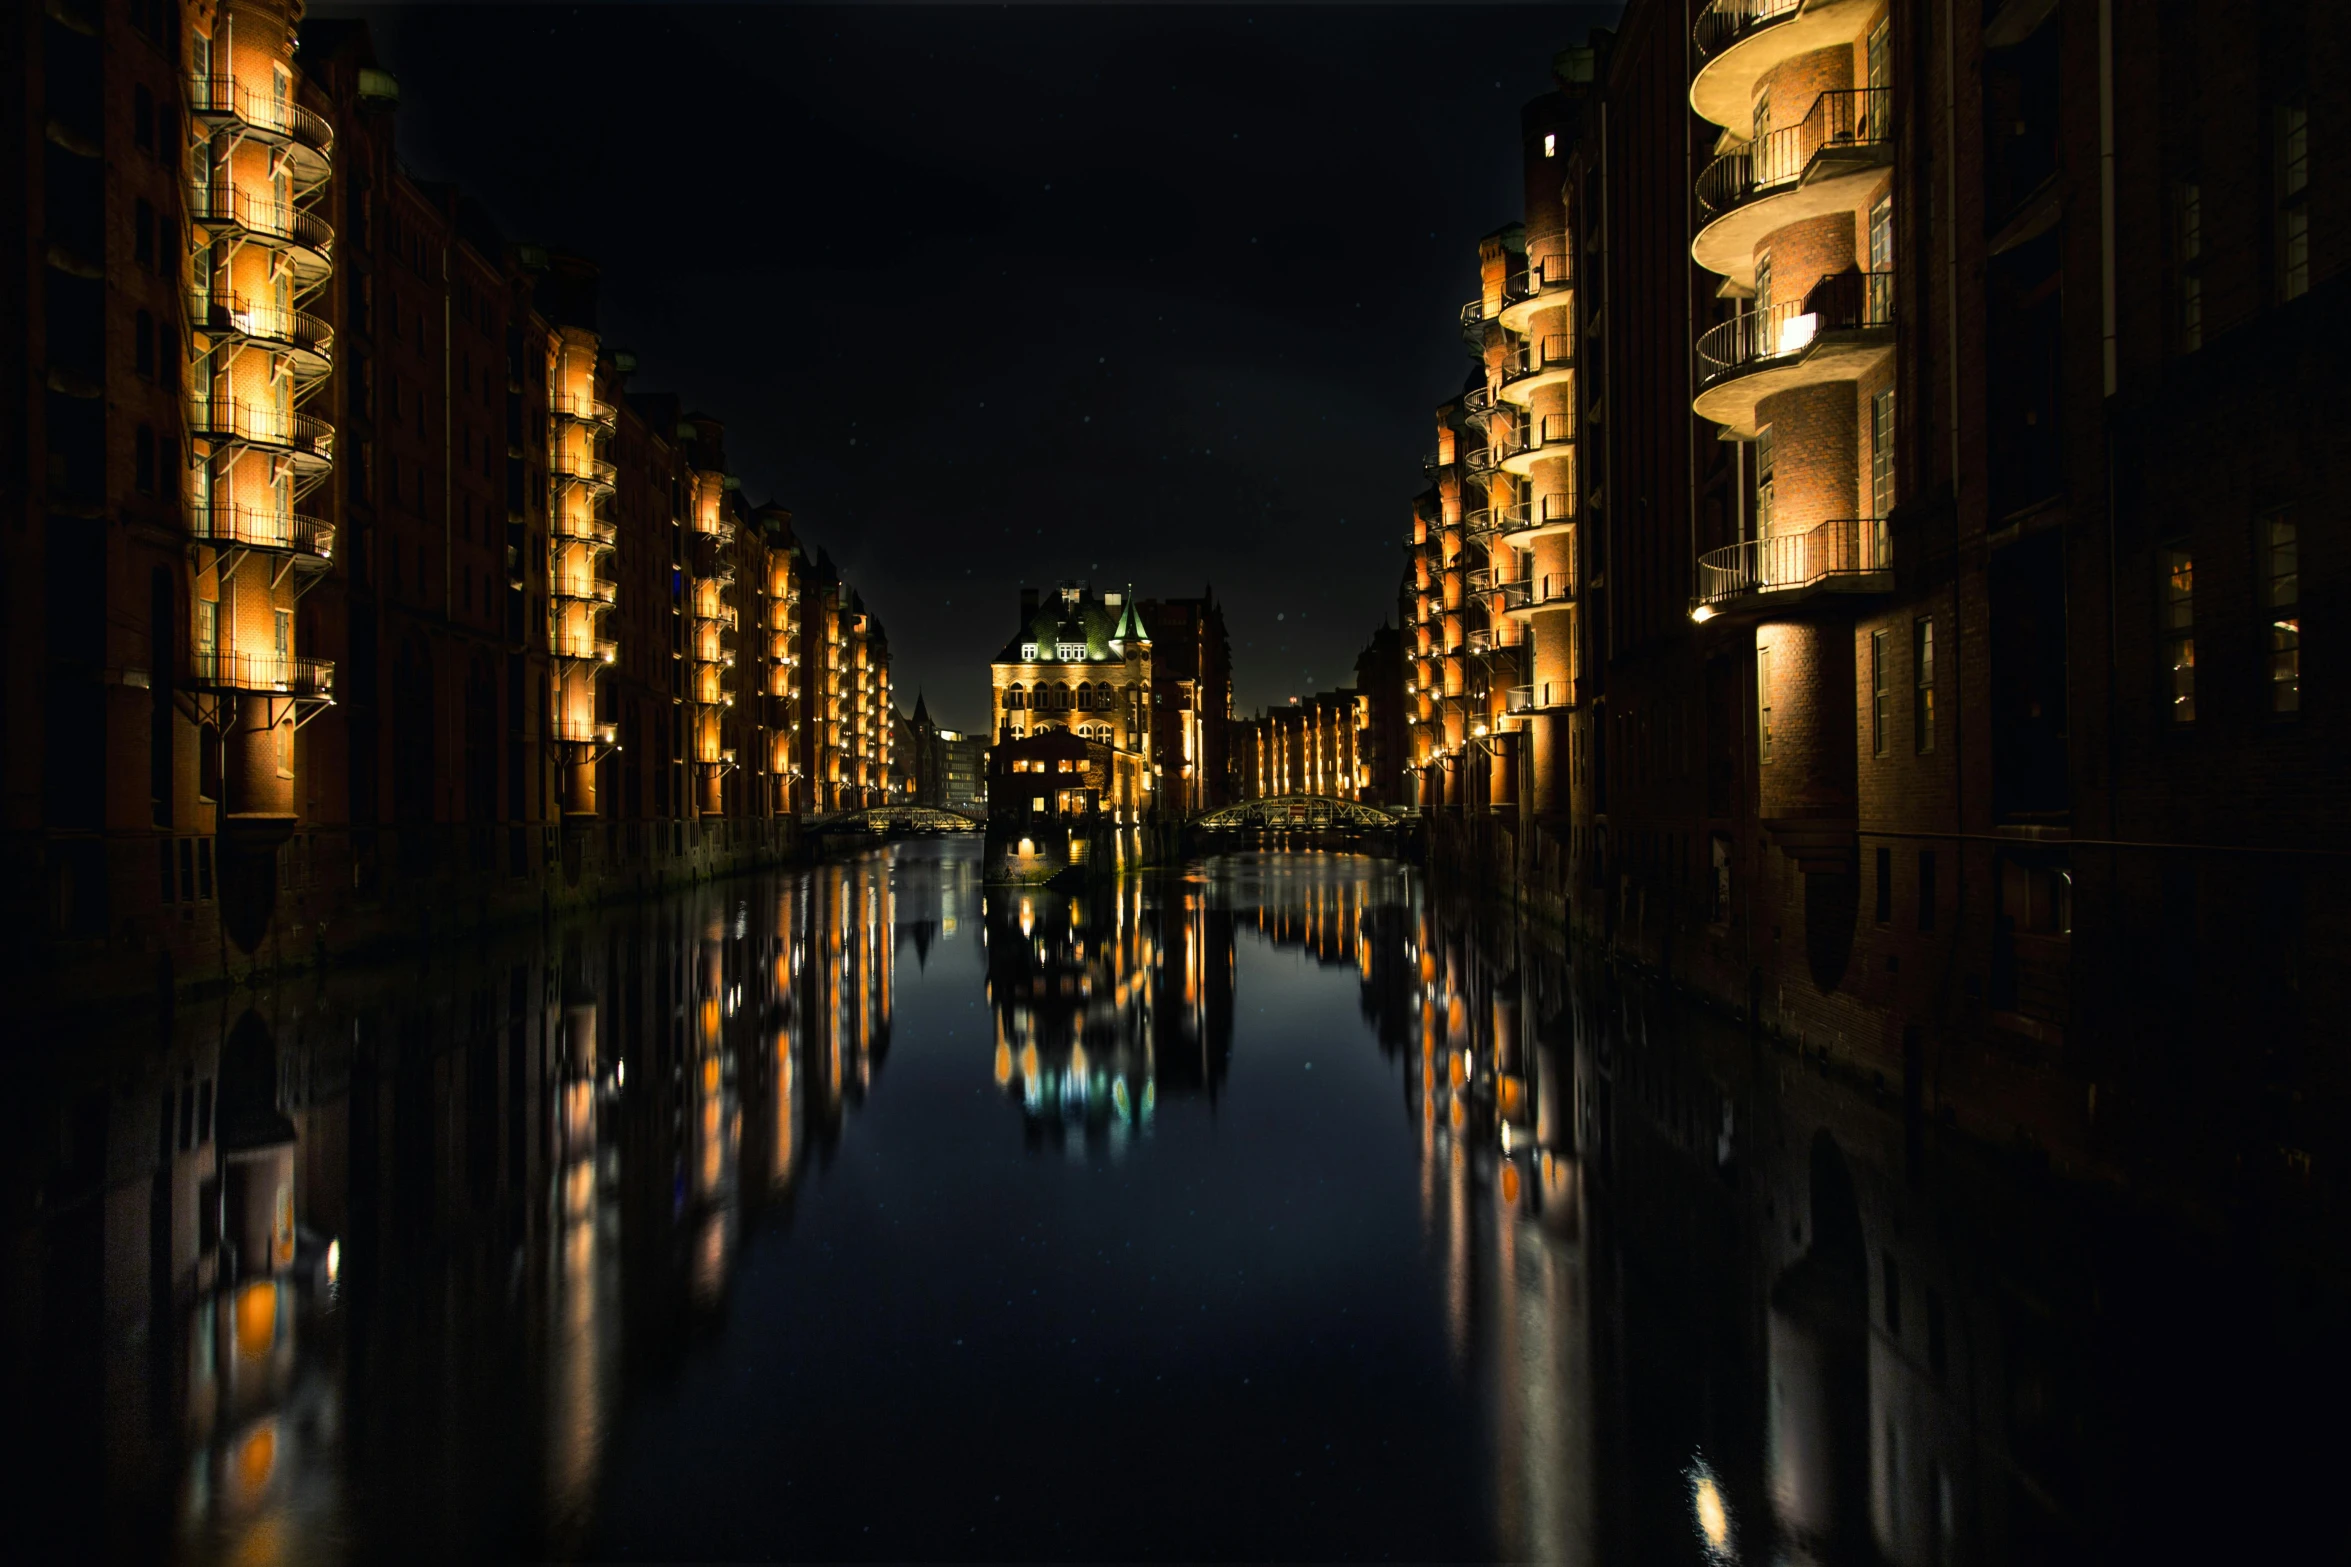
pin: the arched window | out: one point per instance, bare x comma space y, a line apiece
1014, 698
1085, 696
1061, 696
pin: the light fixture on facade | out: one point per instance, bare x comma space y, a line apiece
1702, 613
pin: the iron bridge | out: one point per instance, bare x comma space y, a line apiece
1299, 812
898, 818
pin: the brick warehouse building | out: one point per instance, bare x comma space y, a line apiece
1946, 473
333, 504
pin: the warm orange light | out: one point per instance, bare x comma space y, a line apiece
1003, 1064
1510, 1183
256, 1317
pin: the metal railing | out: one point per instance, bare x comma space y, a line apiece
224, 97
582, 470
1497, 519
223, 312
1480, 579
1725, 22
1555, 351
572, 643
586, 530
1842, 547
227, 669
583, 731
247, 528
583, 410
1850, 120
1518, 699
586, 590
1845, 302
233, 206
1543, 592
253, 424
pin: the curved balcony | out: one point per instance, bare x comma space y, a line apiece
594, 472
1548, 283
270, 674
1844, 555
310, 541
591, 411
602, 532
1473, 327
1840, 331
1739, 40
307, 239
1526, 524
307, 341
1825, 163
1482, 520
1533, 595
583, 646
1479, 403
306, 439
308, 139
584, 590
719, 615
583, 731
1536, 365
1518, 454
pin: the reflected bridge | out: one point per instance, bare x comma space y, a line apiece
901, 820
1297, 813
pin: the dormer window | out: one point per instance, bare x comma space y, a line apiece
1070, 652
1028, 652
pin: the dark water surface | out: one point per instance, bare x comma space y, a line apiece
1279, 1211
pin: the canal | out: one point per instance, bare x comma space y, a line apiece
1286, 1209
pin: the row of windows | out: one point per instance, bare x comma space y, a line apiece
2278, 578
2289, 185
1091, 698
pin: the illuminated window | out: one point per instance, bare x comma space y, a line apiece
1550, 145
1763, 703
2282, 591
2178, 598
1922, 683
1028, 652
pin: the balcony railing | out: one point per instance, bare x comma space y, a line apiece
602, 531
253, 424
719, 614
1846, 302
1518, 699
1547, 591
1850, 124
225, 98
225, 313
586, 590
575, 469
282, 674
573, 643
231, 206
584, 731
583, 410
1844, 547
243, 527
1498, 519
1554, 352
1725, 22
1480, 579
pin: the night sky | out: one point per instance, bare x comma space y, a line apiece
1001, 296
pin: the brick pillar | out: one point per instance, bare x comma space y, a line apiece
1807, 782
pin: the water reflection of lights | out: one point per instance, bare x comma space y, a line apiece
1710, 1512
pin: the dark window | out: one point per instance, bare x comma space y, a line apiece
143, 344
1885, 869
143, 230
1926, 889
143, 458
143, 119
